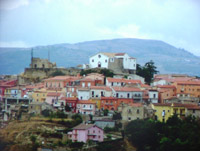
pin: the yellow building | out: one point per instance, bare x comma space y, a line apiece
39, 95
164, 111
98, 103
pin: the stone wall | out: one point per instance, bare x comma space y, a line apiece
116, 66
37, 74
41, 63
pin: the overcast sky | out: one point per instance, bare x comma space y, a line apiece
25, 23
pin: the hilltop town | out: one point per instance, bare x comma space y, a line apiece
89, 106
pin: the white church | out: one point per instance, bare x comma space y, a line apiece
112, 61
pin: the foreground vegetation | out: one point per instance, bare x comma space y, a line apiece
174, 135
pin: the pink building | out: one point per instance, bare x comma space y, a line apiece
86, 107
53, 97
85, 132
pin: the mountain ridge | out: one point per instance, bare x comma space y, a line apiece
167, 58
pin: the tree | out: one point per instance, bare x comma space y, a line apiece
67, 108
175, 134
57, 73
117, 116
105, 112
147, 71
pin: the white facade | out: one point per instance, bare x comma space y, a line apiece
99, 60
114, 84
136, 95
128, 62
98, 93
153, 96
102, 60
83, 94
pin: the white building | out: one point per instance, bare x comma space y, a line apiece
153, 96
97, 92
83, 93
128, 92
112, 61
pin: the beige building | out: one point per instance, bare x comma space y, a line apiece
132, 112
193, 110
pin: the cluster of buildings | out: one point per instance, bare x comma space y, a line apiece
93, 93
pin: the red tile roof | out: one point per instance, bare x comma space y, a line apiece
126, 89
101, 88
166, 86
188, 82
87, 80
84, 126
119, 54
71, 99
53, 94
124, 80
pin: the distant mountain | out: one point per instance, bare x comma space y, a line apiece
167, 58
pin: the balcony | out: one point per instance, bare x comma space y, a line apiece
87, 108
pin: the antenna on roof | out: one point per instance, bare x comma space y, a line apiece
49, 55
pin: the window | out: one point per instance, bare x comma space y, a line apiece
99, 56
193, 111
92, 93
138, 111
99, 136
111, 59
129, 118
128, 95
117, 95
43, 66
101, 93
106, 60
35, 65
99, 64
93, 131
112, 83
92, 60
154, 95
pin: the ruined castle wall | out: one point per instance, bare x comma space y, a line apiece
41, 63
37, 74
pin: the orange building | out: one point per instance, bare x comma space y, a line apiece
59, 82
189, 88
166, 92
112, 103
